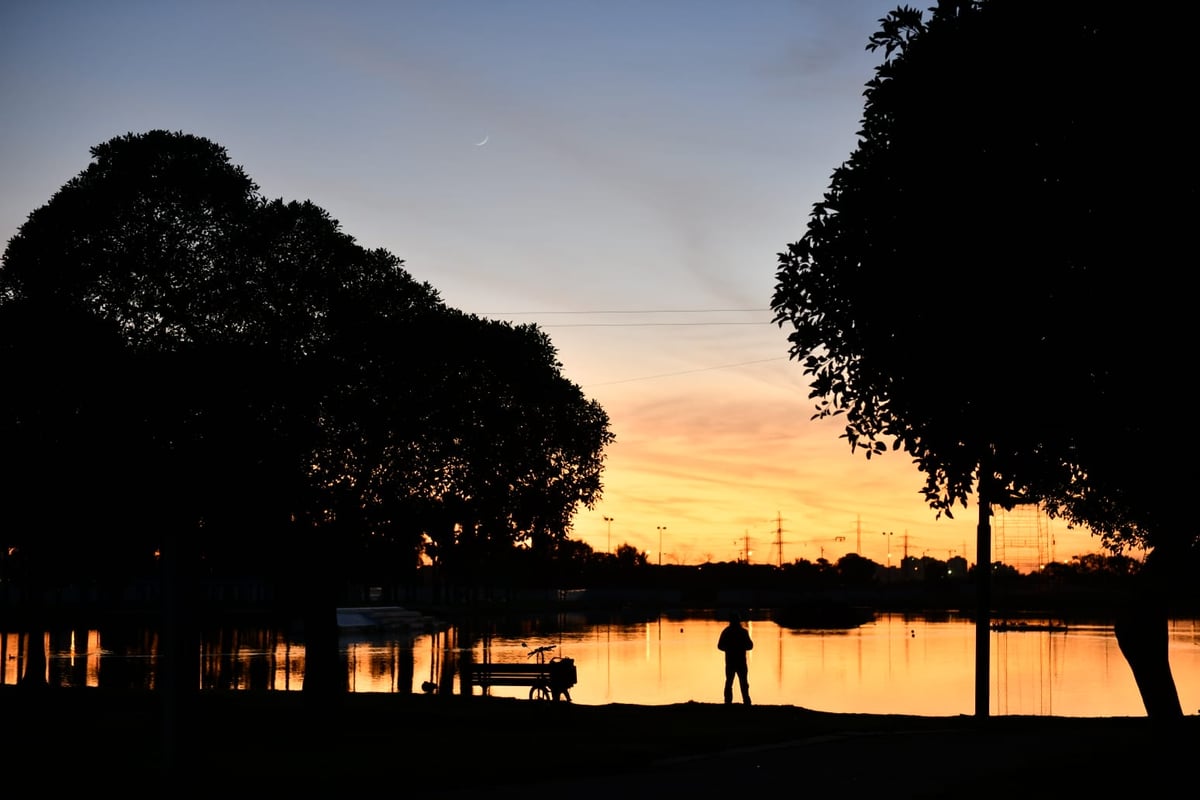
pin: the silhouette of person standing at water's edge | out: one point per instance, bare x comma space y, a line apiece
735, 642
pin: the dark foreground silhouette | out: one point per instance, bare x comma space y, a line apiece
259, 741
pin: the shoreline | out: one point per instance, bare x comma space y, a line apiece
275, 740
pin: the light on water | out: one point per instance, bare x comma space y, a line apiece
893, 665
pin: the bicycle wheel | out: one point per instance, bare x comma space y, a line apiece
539, 691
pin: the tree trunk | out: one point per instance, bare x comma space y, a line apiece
983, 611
317, 593
178, 671
1141, 631
325, 675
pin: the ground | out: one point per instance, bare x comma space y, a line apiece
244, 743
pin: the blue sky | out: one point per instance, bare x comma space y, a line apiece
645, 161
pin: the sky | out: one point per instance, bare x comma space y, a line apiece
622, 173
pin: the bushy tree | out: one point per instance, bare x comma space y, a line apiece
628, 556
991, 282
236, 383
855, 570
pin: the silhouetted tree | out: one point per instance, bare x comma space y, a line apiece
855, 570
243, 386
573, 562
991, 281
808, 574
1090, 565
629, 557
515, 447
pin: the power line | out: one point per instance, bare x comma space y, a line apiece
688, 371
642, 324
599, 312
638, 324
628, 311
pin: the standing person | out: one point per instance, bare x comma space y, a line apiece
735, 642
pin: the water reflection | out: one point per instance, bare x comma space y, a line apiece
894, 664
250, 658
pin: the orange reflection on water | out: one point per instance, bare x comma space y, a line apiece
893, 665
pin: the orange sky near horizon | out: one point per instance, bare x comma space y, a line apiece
722, 452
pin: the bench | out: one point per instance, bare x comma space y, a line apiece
554, 678
508, 674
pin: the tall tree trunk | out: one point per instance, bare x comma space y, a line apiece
324, 673
317, 593
178, 671
983, 596
1142, 635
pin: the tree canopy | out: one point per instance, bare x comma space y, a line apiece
992, 281
185, 356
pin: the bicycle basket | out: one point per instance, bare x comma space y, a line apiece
562, 672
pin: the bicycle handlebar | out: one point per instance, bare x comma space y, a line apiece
543, 649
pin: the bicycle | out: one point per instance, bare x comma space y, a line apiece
556, 678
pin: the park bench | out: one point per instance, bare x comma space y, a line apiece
508, 674
546, 679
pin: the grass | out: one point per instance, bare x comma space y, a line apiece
285, 740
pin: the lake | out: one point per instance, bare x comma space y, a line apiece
896, 664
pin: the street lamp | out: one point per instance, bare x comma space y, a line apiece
889, 549
661, 528
609, 520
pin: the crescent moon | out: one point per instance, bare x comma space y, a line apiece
481, 144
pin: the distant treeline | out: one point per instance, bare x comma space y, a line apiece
587, 579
